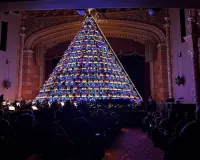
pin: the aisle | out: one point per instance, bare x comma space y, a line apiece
133, 144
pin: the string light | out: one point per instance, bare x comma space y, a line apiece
89, 71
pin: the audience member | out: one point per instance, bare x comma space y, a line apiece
71, 132
190, 138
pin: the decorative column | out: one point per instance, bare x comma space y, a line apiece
168, 50
149, 50
192, 40
20, 76
160, 73
42, 70
30, 76
41, 63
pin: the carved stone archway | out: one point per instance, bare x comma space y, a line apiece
47, 38
137, 31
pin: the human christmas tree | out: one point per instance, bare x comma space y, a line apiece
88, 71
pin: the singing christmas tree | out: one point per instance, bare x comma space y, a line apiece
88, 71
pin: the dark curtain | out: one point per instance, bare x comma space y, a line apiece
55, 61
50, 65
138, 71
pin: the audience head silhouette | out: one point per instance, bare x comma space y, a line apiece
1, 113
197, 112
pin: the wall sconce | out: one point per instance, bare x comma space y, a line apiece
6, 82
179, 80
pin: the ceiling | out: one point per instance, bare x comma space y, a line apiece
68, 12
16, 0
75, 4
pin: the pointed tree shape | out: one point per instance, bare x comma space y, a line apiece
89, 70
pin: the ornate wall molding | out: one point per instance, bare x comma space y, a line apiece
139, 32
54, 42
38, 24
193, 41
21, 61
168, 50
40, 51
28, 53
39, 20
161, 46
135, 16
149, 50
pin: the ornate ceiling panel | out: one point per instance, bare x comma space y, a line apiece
140, 32
133, 15
49, 13
34, 25
70, 12
39, 20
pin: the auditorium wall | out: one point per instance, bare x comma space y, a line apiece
11, 54
183, 64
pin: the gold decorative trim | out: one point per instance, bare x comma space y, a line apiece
39, 20
139, 32
21, 60
168, 50
161, 46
